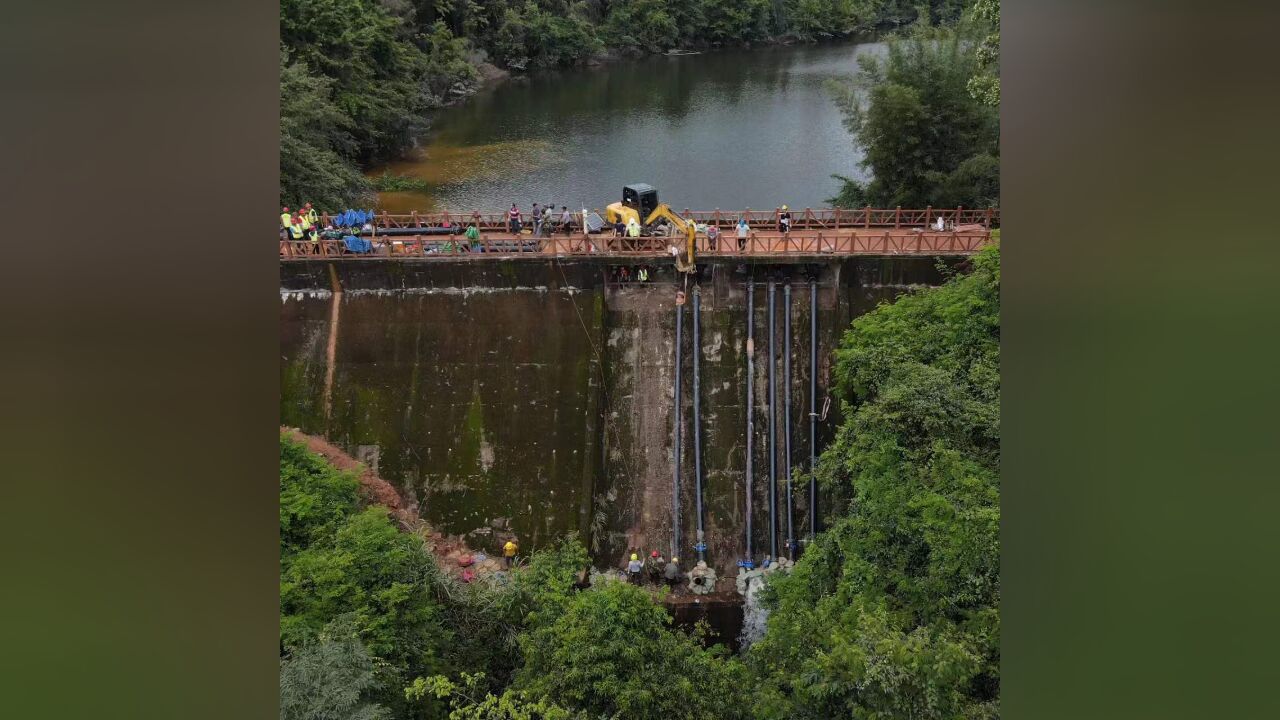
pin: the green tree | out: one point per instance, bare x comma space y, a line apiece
469, 703
894, 611
643, 25
610, 653
732, 21
315, 143
329, 678
926, 139
339, 563
376, 573
985, 86
315, 498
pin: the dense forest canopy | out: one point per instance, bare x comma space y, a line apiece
357, 76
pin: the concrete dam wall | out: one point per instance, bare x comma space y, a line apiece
536, 396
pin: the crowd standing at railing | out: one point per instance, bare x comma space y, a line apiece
362, 231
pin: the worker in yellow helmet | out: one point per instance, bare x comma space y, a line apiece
784, 220
633, 569
509, 552
672, 572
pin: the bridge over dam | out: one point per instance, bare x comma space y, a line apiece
834, 232
537, 393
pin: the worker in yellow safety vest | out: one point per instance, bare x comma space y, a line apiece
311, 214
306, 225
286, 219
295, 227
509, 552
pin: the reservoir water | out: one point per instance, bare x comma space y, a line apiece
729, 129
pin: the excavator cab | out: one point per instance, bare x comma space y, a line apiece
640, 197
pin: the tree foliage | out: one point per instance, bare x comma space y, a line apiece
610, 653
893, 612
985, 86
356, 79
329, 678
926, 139
342, 563
315, 142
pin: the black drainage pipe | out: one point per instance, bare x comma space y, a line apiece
701, 547
675, 487
773, 434
786, 404
751, 348
813, 408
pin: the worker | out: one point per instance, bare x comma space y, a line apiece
743, 230
509, 552
513, 219
536, 216
307, 226
672, 572
713, 237
311, 214
286, 219
633, 569
294, 224
784, 220
939, 224
633, 228
644, 277
473, 233
653, 567
566, 219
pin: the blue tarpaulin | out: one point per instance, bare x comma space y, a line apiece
357, 245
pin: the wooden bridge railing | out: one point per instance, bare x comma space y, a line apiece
855, 242
801, 219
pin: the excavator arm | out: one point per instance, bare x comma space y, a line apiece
664, 212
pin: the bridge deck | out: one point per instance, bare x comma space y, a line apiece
762, 243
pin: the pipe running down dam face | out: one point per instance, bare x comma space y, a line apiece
537, 397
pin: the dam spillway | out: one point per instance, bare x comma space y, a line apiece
536, 396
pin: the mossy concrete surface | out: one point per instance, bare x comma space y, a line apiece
535, 397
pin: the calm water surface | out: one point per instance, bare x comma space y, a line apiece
728, 129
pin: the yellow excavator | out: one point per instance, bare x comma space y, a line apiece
640, 203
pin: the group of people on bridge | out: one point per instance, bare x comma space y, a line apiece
543, 217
